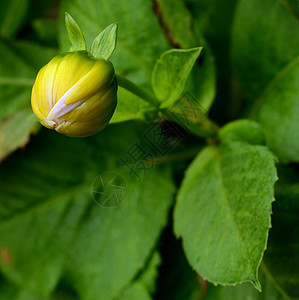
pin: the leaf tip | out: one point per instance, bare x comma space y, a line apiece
255, 282
67, 16
104, 44
197, 49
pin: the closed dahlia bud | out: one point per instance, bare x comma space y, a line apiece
75, 94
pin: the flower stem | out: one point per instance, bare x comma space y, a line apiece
138, 91
202, 126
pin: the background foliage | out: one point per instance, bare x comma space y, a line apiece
215, 194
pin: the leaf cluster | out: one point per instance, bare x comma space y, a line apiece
171, 201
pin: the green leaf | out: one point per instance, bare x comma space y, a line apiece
13, 14
266, 63
176, 20
224, 206
259, 53
15, 131
178, 26
104, 44
75, 34
199, 88
50, 214
213, 19
171, 72
277, 111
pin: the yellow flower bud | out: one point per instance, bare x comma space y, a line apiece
75, 94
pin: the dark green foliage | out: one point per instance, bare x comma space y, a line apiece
211, 201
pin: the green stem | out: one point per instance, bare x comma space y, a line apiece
202, 126
138, 91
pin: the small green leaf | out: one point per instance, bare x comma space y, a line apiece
202, 79
171, 72
224, 206
75, 34
104, 44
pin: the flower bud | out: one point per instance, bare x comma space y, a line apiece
75, 94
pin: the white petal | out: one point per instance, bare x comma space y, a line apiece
60, 109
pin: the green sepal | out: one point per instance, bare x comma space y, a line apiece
75, 34
104, 44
